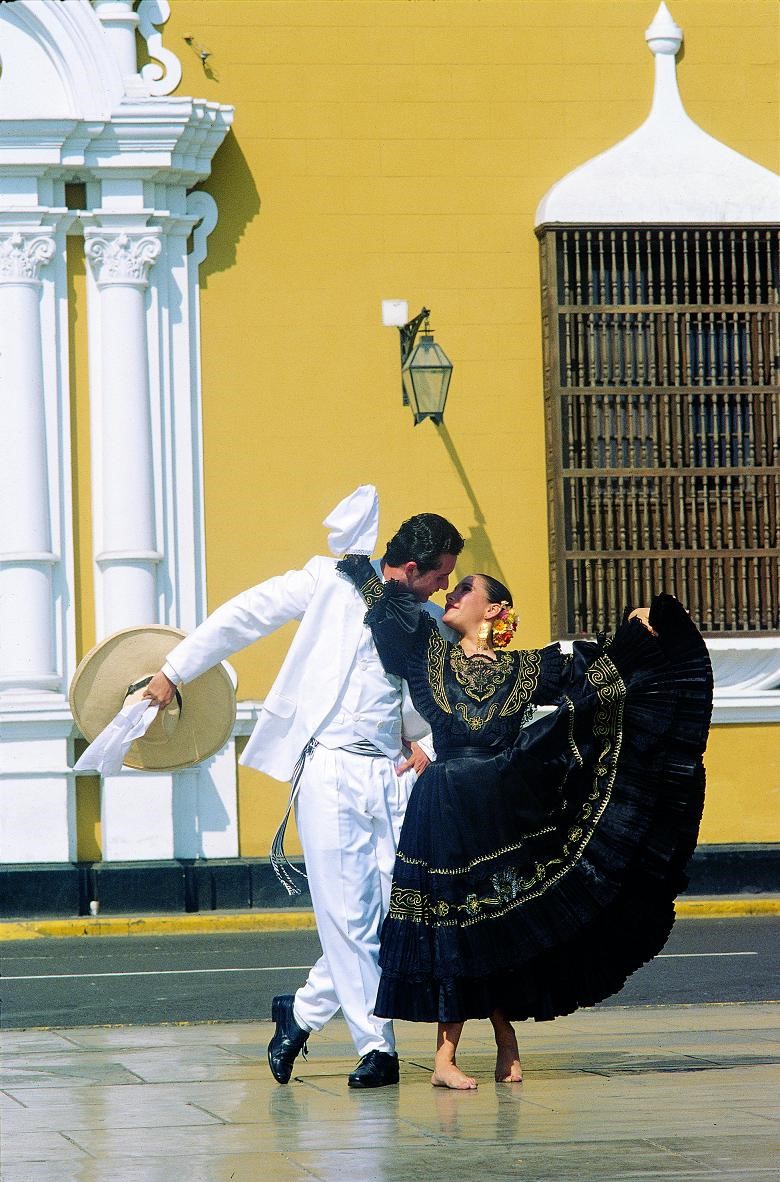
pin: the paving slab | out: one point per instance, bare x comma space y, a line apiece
657, 1093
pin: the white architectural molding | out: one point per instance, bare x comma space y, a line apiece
749, 664
669, 170
744, 709
188, 540
123, 259
21, 256
73, 107
163, 74
55, 62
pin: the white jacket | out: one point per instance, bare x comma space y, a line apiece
311, 679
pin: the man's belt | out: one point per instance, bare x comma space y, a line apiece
362, 747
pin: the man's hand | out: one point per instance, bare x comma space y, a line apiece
160, 689
643, 615
418, 760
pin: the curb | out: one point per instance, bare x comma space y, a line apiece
158, 925
290, 920
712, 908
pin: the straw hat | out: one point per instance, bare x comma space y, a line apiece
196, 724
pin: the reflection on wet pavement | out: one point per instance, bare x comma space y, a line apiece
660, 1093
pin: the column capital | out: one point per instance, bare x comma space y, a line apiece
122, 257
23, 254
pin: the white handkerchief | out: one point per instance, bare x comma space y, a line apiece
354, 523
107, 752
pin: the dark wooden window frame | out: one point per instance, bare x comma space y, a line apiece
662, 405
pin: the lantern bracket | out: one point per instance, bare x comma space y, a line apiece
408, 333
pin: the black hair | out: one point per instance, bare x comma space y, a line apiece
496, 591
423, 539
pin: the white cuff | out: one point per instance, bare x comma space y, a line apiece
426, 742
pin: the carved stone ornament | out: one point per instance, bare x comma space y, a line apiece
122, 258
163, 74
22, 256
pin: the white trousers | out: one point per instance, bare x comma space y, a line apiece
349, 813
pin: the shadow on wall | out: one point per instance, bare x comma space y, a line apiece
478, 552
232, 186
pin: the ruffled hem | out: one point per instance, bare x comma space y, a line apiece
573, 935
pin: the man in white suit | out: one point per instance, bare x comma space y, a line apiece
353, 781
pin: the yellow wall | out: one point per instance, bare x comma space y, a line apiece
398, 148
84, 598
743, 784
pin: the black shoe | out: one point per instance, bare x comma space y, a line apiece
375, 1070
288, 1039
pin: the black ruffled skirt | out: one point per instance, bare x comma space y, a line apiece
537, 879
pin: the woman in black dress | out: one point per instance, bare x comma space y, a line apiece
539, 859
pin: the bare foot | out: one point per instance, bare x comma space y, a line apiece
449, 1075
508, 1069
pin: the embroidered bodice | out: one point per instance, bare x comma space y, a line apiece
468, 701
476, 701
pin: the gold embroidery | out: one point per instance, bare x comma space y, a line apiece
512, 889
572, 745
528, 671
480, 677
408, 904
475, 722
437, 650
372, 590
507, 849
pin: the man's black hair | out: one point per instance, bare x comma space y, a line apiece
423, 539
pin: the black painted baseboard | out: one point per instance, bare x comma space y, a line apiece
236, 884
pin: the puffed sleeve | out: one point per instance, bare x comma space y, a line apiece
397, 626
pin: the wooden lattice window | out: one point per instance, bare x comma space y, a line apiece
662, 395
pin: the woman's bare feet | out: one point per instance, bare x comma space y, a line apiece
508, 1068
449, 1075
446, 1073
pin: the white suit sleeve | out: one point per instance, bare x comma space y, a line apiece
242, 620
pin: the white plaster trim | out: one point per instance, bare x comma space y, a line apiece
56, 376
745, 664
189, 439
734, 709
247, 714
75, 43
162, 75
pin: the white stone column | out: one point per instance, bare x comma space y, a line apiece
124, 502
28, 661
136, 808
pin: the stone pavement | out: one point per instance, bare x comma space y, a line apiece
686, 1093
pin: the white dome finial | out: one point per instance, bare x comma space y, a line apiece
668, 170
664, 36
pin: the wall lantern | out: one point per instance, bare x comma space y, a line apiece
425, 370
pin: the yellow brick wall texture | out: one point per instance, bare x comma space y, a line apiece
399, 148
